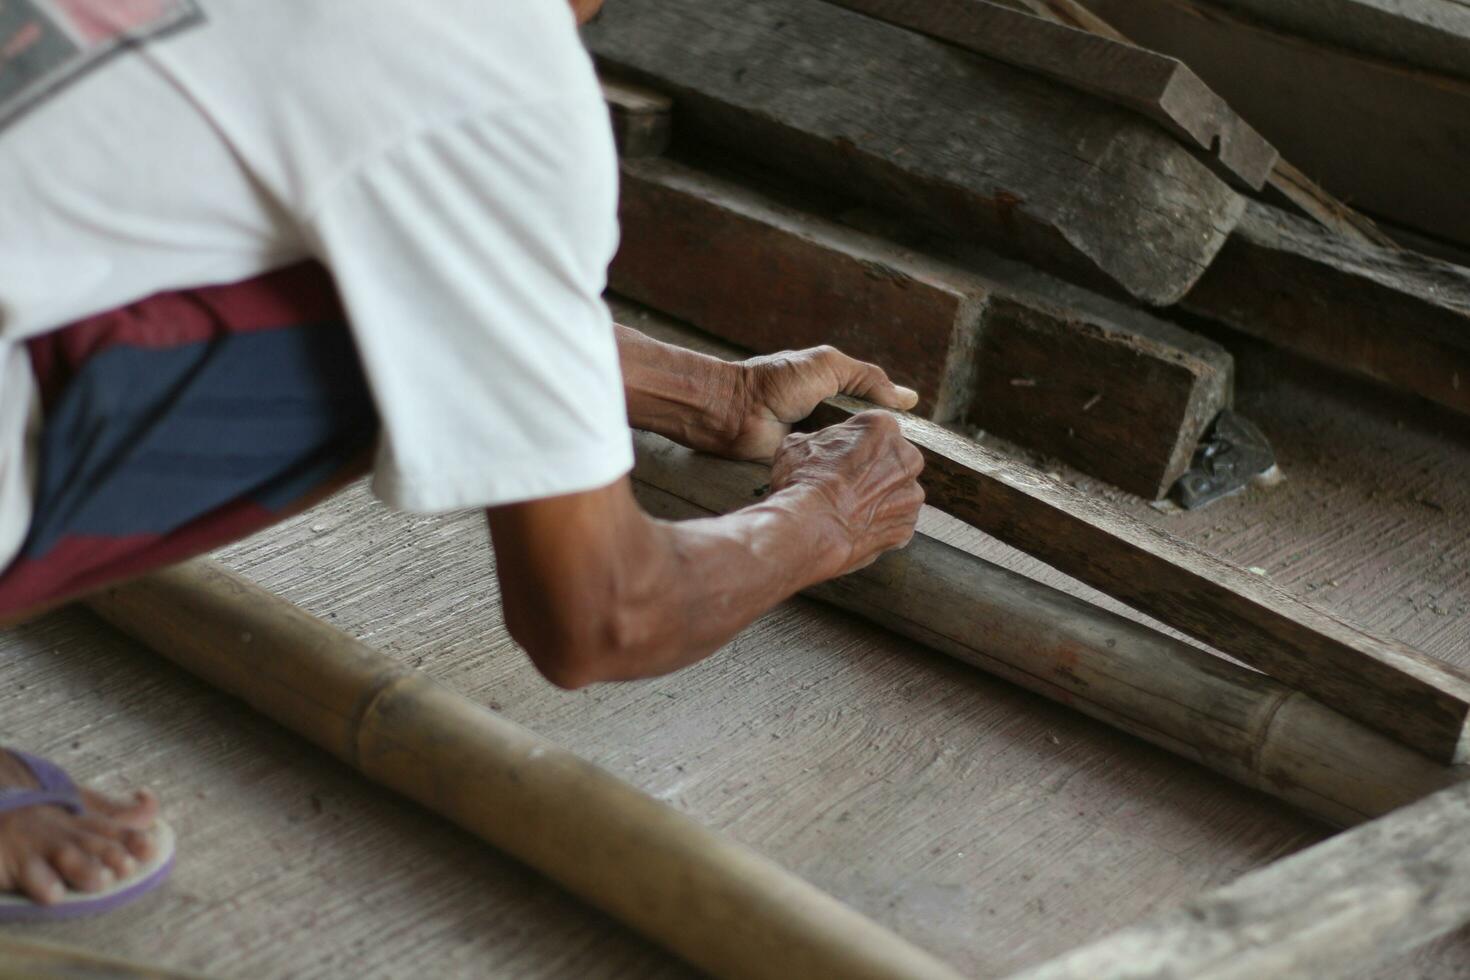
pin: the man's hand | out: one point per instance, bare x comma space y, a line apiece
781, 389
866, 477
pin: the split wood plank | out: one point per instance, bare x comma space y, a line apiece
1105, 387
1402, 692
1390, 139
1155, 85
1356, 901
717, 904
1397, 317
1230, 718
641, 118
953, 141
1433, 34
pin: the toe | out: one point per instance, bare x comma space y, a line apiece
138, 812
39, 881
113, 855
80, 870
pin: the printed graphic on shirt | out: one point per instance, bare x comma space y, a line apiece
47, 44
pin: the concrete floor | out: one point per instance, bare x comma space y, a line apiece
990, 826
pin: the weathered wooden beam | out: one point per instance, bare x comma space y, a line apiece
1286, 182
1389, 138
1155, 85
1105, 387
717, 904
1402, 692
641, 118
1397, 317
1230, 718
1354, 902
956, 142
1432, 34
738, 264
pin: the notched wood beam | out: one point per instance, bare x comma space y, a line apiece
642, 118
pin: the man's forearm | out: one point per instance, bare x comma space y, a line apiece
686, 396
657, 596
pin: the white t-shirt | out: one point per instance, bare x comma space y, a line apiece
450, 161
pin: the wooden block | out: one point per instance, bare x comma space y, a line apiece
1154, 85
1432, 34
768, 278
1397, 317
948, 139
1109, 389
1336, 909
641, 118
1401, 692
1389, 138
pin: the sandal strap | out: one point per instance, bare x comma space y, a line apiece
54, 787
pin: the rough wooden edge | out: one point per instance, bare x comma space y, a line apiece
713, 902
1357, 900
642, 118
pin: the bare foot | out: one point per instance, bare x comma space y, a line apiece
45, 850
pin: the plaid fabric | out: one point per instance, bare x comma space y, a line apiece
183, 422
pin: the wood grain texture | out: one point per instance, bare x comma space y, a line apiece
1389, 686
1390, 139
1110, 389
720, 906
1365, 897
1433, 34
954, 141
642, 118
1207, 709
1154, 85
1399, 318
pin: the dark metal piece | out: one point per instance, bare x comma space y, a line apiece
1233, 454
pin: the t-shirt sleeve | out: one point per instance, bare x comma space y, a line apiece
472, 259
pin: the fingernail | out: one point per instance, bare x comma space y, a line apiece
907, 394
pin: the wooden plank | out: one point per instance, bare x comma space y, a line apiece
769, 278
719, 905
1107, 388
641, 118
1238, 722
1432, 34
1356, 901
1397, 317
1162, 88
1414, 698
952, 141
1388, 138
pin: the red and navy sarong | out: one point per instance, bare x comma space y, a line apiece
183, 422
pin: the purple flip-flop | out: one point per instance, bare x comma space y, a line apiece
55, 788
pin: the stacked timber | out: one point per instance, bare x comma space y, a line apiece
989, 195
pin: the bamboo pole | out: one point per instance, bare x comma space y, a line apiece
1238, 722
717, 904
26, 960
1355, 901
